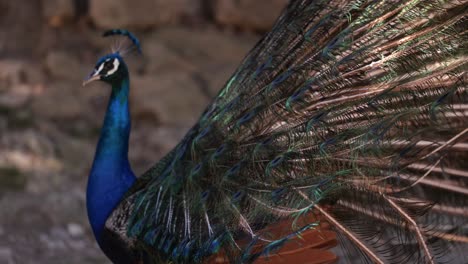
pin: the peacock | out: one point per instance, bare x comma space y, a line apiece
346, 124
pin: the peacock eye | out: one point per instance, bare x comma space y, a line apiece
111, 66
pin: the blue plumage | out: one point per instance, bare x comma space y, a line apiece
111, 175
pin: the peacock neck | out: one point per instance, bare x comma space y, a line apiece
111, 175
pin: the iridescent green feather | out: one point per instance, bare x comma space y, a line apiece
357, 106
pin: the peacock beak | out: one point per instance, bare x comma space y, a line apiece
94, 76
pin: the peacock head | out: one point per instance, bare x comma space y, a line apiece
111, 68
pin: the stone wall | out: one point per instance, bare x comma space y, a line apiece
245, 14
49, 123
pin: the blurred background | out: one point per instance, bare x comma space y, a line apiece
49, 123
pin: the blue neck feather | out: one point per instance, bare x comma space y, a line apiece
111, 175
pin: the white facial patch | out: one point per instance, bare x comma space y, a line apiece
99, 69
116, 66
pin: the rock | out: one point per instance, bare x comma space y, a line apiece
58, 12
17, 96
75, 153
206, 45
248, 14
163, 58
175, 98
64, 65
20, 27
19, 82
12, 72
17, 71
75, 230
209, 55
13, 92
141, 14
11, 179
52, 242
63, 101
149, 144
28, 157
34, 229
6, 255
57, 104
170, 12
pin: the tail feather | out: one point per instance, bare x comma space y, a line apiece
312, 247
353, 110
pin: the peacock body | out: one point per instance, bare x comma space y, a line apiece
346, 124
